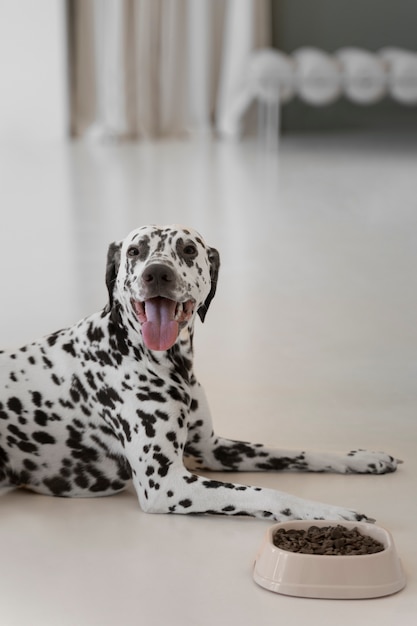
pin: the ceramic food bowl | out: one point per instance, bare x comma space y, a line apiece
335, 576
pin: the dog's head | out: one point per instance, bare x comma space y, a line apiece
162, 276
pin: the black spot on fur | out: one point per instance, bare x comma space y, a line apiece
164, 463
15, 405
185, 503
4, 457
69, 348
286, 512
172, 436
190, 479
26, 446
148, 421
48, 364
126, 428
101, 484
77, 390
175, 394
43, 437
57, 485
230, 456
94, 333
90, 379
156, 381
281, 463
104, 357
118, 332
82, 481
107, 396
80, 451
12, 428
41, 418
155, 396
30, 465
36, 398
52, 339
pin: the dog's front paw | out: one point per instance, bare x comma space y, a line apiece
309, 510
335, 513
367, 462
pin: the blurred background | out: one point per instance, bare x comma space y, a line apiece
284, 131
141, 68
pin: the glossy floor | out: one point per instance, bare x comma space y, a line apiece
311, 341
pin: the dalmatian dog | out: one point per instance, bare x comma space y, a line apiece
113, 399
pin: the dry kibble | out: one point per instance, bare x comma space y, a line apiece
326, 540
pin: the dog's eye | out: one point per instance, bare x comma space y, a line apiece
190, 250
133, 251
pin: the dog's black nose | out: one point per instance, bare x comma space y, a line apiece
158, 274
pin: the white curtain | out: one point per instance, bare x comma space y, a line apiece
152, 68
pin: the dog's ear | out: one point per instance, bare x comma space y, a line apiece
214, 259
113, 262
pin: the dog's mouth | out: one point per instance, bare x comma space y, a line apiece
161, 320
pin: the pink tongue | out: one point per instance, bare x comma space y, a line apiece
160, 331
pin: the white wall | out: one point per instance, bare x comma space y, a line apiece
33, 93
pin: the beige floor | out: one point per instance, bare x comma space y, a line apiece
310, 342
